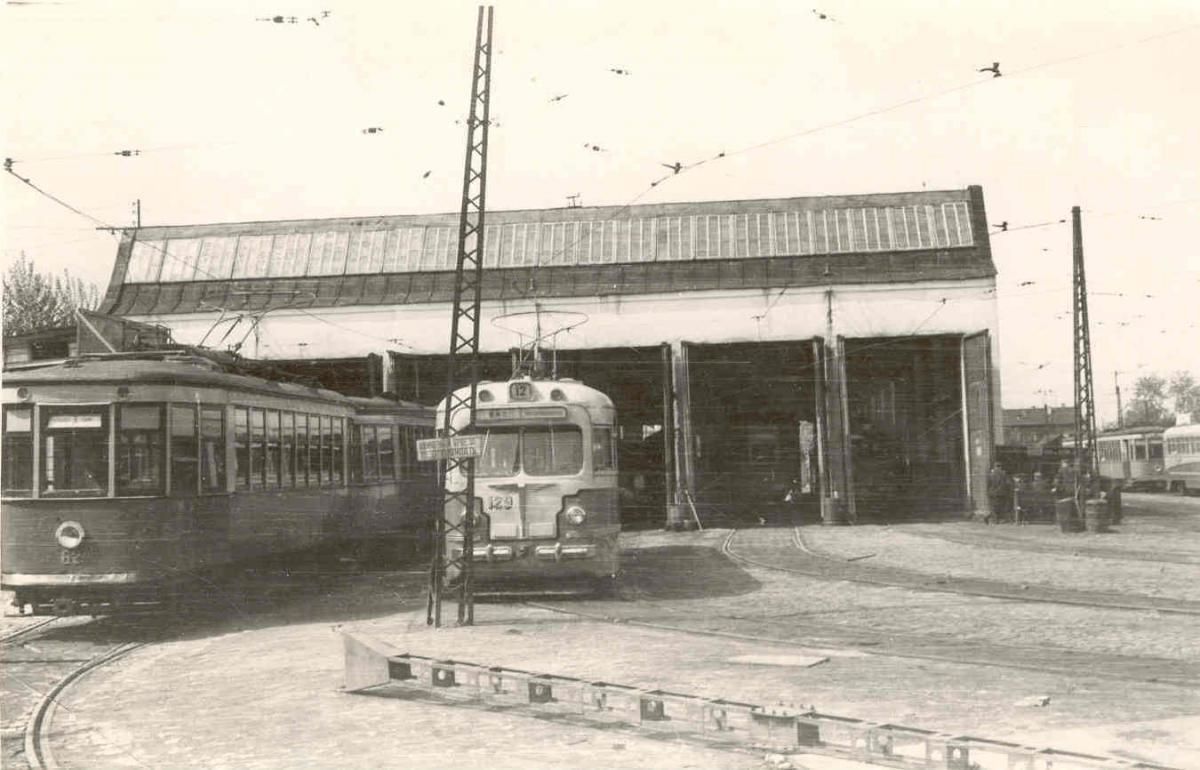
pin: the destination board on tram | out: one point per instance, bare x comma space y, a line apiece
453, 448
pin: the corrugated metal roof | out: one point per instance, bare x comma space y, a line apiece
575, 252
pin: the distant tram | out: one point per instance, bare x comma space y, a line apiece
127, 475
1183, 458
1133, 456
546, 493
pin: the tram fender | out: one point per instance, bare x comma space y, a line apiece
366, 661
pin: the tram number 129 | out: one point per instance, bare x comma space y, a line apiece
500, 503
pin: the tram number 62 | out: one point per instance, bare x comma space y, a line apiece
68, 557
500, 503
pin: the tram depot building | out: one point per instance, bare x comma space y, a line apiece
847, 343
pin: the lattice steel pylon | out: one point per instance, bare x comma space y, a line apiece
1085, 404
455, 515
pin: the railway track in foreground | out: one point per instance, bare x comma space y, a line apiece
796, 630
797, 557
38, 751
26, 631
41, 660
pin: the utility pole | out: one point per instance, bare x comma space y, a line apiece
455, 519
1085, 405
1117, 386
137, 213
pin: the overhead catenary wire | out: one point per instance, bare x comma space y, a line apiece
678, 168
195, 266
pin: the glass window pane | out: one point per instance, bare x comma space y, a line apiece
241, 447
212, 450
370, 453
75, 455
326, 449
387, 452
314, 450
140, 445
552, 450
356, 456
287, 456
501, 453
336, 459
258, 438
17, 471
271, 466
602, 450
301, 450
185, 460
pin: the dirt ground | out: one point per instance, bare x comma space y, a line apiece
262, 689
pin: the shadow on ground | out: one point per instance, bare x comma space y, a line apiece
682, 572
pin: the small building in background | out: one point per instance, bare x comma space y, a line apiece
42, 345
1038, 426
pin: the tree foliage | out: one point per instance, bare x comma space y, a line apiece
1156, 399
1185, 393
34, 300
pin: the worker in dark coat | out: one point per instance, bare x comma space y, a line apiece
999, 493
1064, 482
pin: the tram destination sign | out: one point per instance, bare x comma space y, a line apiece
451, 448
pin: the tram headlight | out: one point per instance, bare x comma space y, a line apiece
69, 535
575, 515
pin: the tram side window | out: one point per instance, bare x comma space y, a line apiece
314, 451
337, 458
356, 458
370, 453
212, 450
241, 446
140, 449
258, 440
17, 472
602, 449
387, 452
271, 466
185, 462
404, 450
302, 450
75, 452
1139, 450
287, 443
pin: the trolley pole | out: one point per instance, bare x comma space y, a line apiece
456, 516
1086, 460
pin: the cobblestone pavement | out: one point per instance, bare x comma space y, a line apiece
1076, 570
258, 688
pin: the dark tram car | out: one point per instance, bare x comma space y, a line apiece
125, 475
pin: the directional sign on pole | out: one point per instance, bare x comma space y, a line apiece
452, 448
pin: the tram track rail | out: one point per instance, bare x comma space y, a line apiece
38, 750
802, 559
1008, 543
24, 632
831, 636
1057, 661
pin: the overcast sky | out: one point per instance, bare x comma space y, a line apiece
239, 119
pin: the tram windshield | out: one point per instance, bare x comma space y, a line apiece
75, 452
543, 450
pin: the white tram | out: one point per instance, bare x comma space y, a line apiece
546, 494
